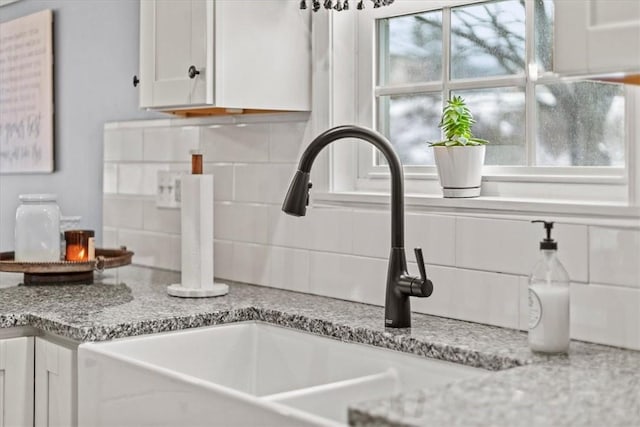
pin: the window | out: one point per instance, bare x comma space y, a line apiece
498, 56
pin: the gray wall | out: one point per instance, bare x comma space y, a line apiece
95, 58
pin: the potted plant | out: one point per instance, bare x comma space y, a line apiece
459, 158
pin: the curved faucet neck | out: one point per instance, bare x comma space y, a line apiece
382, 144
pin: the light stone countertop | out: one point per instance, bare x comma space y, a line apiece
593, 386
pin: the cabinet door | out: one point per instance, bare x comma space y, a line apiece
173, 37
598, 36
55, 388
262, 55
16, 382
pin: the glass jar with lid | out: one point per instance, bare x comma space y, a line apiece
37, 232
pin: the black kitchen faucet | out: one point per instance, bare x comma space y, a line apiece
400, 285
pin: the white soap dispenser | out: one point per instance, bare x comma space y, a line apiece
549, 300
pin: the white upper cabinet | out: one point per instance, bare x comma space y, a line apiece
233, 54
173, 38
597, 37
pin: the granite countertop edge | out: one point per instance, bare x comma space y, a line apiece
315, 325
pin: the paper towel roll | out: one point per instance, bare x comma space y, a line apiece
197, 239
197, 231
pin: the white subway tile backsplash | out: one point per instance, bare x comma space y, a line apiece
223, 221
478, 265
139, 178
372, 233
160, 219
330, 229
475, 296
289, 269
322, 229
241, 222
150, 177
131, 178
348, 277
122, 212
223, 259
287, 230
435, 234
488, 297
287, 143
444, 291
606, 314
614, 256
110, 178
495, 245
573, 249
251, 263
152, 249
170, 144
513, 246
109, 238
262, 183
123, 145
235, 143
112, 143
222, 181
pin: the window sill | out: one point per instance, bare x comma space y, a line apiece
591, 213
550, 175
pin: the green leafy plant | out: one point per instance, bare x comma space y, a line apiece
456, 123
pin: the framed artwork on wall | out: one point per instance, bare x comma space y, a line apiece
26, 94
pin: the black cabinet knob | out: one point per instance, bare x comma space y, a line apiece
136, 80
193, 72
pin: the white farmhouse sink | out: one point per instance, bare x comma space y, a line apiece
242, 374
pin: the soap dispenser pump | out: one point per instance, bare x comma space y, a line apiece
549, 299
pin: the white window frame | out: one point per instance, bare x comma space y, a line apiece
613, 179
344, 90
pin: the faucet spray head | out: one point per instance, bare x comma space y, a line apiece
297, 199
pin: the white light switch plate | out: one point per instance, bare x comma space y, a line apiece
168, 194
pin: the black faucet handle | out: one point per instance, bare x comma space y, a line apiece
420, 261
422, 287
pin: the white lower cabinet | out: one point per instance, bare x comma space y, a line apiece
55, 384
16, 382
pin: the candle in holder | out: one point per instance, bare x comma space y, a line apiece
80, 245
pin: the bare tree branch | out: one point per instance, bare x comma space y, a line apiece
580, 129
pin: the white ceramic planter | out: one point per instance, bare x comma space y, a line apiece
460, 170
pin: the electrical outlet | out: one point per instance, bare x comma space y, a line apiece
168, 193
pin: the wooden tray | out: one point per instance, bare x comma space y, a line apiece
65, 271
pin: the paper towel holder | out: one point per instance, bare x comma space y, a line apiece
215, 290
196, 219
